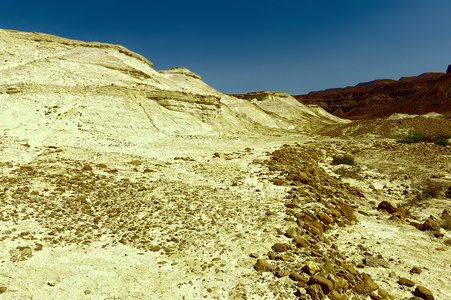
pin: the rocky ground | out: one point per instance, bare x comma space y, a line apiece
230, 217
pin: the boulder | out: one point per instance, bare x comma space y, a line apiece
430, 224
388, 206
423, 293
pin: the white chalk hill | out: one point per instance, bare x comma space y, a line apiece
59, 91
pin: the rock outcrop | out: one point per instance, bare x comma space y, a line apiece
428, 92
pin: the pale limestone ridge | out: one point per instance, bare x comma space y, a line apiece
55, 89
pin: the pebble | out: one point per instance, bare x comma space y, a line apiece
415, 270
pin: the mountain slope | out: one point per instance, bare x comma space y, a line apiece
429, 92
55, 89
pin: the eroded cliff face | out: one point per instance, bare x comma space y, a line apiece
429, 92
55, 90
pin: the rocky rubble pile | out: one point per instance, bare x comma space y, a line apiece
307, 253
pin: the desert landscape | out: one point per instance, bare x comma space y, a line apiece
119, 181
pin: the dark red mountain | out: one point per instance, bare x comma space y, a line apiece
428, 92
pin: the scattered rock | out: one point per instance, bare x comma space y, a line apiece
374, 262
430, 224
281, 247
154, 248
423, 293
298, 277
388, 206
87, 168
316, 292
366, 285
301, 242
310, 268
415, 270
325, 283
334, 295
325, 218
406, 282
384, 294
263, 266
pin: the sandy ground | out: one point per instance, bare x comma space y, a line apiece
208, 213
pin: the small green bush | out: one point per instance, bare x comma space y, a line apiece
442, 139
344, 159
412, 137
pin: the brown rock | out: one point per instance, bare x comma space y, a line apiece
374, 262
423, 293
325, 218
310, 268
352, 270
430, 224
280, 247
388, 206
317, 225
316, 292
298, 277
301, 242
334, 295
329, 267
415, 270
335, 213
384, 294
281, 273
325, 283
375, 296
3, 289
263, 266
293, 203
292, 232
406, 282
400, 214
366, 285
338, 282
87, 168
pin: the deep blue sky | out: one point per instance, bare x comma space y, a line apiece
242, 46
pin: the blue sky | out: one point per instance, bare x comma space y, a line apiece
243, 46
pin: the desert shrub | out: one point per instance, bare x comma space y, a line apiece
412, 137
344, 159
442, 139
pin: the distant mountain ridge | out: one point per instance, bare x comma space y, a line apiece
428, 92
